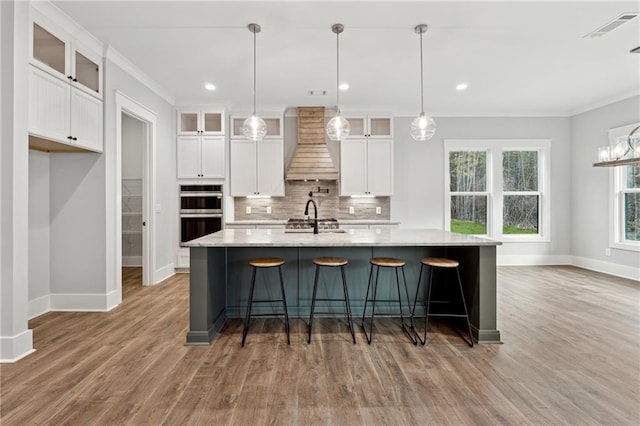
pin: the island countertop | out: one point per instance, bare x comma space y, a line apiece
352, 238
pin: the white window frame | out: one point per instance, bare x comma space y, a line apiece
617, 190
495, 149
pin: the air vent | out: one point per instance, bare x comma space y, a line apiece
317, 92
612, 25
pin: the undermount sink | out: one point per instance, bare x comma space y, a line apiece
310, 231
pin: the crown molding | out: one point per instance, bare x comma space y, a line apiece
606, 101
118, 59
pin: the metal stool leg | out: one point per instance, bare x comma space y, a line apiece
373, 307
426, 317
464, 305
406, 330
313, 302
415, 301
247, 317
346, 301
284, 302
366, 298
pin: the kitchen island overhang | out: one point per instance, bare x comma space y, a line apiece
220, 275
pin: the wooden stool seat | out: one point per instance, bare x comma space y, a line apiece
330, 261
387, 262
266, 262
440, 262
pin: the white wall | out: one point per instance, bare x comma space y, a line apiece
133, 133
166, 186
39, 236
590, 188
418, 199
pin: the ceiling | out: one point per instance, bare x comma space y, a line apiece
519, 58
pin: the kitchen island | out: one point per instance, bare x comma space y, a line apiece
220, 274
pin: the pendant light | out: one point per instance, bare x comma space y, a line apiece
422, 127
338, 127
254, 127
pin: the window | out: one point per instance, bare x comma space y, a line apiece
498, 188
625, 198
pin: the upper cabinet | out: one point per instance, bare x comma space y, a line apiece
65, 90
371, 126
200, 122
366, 167
57, 53
274, 127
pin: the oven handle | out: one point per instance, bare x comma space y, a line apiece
200, 215
201, 194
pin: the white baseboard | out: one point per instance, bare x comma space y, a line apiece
622, 271
40, 305
532, 259
14, 348
163, 273
83, 302
114, 298
135, 261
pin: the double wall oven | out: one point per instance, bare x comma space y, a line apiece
200, 211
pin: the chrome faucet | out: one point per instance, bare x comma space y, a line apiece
315, 214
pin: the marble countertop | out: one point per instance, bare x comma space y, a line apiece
352, 238
284, 221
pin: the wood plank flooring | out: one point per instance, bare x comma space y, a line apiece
570, 355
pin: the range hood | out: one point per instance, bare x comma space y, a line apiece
311, 160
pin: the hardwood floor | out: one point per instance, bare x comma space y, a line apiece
571, 355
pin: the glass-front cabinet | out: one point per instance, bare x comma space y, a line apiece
53, 51
274, 127
201, 122
370, 126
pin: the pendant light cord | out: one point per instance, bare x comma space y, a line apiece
338, 72
421, 77
254, 71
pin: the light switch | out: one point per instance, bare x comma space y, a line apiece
352, 210
247, 210
268, 209
378, 210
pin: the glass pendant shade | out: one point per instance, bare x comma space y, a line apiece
254, 128
338, 128
423, 127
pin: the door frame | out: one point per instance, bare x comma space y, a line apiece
126, 105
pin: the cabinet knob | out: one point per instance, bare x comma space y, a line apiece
74, 138
70, 77
75, 79
144, 223
69, 137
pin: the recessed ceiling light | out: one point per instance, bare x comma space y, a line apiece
344, 86
462, 86
210, 86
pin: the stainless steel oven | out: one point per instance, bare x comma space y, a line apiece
200, 211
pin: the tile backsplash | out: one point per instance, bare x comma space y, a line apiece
329, 205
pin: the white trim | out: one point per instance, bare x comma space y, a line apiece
605, 102
83, 302
40, 305
164, 273
132, 261
623, 271
118, 59
14, 348
114, 298
532, 259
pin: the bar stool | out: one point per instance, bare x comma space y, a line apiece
331, 262
444, 264
262, 263
386, 262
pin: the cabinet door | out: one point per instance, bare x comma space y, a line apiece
379, 127
49, 49
188, 122
358, 125
353, 167
270, 167
188, 157
243, 167
380, 167
87, 72
212, 157
49, 106
86, 120
212, 123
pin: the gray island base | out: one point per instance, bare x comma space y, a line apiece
220, 274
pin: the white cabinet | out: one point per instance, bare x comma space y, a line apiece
274, 126
370, 126
62, 113
366, 167
56, 52
200, 122
257, 168
65, 89
201, 157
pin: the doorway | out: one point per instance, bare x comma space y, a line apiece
134, 185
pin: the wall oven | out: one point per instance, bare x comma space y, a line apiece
200, 211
